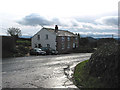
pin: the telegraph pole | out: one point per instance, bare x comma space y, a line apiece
112, 35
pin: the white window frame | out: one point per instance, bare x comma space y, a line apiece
68, 38
68, 46
73, 45
76, 38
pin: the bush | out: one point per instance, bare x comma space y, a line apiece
23, 42
102, 41
104, 64
84, 49
20, 51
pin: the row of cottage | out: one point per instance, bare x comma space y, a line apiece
60, 40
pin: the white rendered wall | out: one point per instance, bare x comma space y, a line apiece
43, 41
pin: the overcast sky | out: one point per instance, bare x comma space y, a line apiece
87, 17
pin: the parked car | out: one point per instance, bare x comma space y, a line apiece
37, 51
49, 50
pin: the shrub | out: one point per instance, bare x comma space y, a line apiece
23, 49
20, 51
104, 64
85, 49
23, 42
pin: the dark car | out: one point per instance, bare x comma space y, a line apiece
37, 51
49, 50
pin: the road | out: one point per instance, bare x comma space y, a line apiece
52, 71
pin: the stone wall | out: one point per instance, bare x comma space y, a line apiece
8, 45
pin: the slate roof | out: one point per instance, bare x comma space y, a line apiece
61, 32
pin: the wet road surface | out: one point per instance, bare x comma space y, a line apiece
52, 71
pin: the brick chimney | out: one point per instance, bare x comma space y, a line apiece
56, 28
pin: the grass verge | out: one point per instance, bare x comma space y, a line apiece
82, 79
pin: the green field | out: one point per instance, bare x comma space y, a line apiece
83, 79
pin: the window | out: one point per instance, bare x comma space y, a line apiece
63, 46
46, 36
68, 45
74, 45
48, 45
35, 45
63, 39
38, 37
76, 38
68, 38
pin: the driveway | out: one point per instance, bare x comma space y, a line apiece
52, 71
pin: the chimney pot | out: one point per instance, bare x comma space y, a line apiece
56, 28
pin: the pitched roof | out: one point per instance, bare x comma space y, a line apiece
61, 32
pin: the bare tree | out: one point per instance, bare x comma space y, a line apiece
14, 32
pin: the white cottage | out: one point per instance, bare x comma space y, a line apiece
60, 40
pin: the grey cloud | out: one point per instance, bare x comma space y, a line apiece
74, 24
109, 20
83, 23
56, 20
35, 19
86, 19
87, 26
